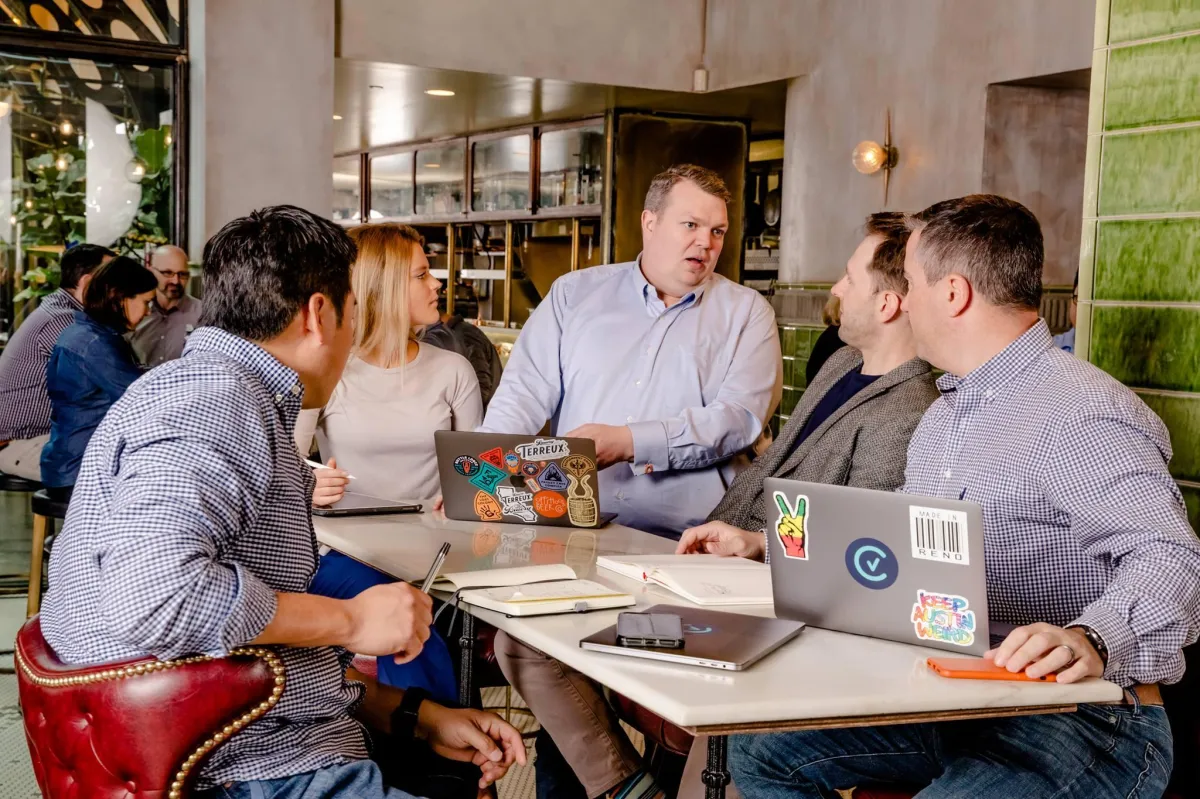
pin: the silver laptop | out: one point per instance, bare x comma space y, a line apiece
711, 638
898, 566
511, 479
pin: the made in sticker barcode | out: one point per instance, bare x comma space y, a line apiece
939, 535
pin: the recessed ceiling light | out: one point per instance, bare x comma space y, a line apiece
337, 117
439, 92
433, 166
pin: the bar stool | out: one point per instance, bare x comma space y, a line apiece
45, 512
17, 485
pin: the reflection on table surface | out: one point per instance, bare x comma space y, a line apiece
405, 544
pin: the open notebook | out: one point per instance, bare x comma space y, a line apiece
700, 579
531, 590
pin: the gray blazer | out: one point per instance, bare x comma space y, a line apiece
864, 443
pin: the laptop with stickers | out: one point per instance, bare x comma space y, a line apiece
508, 479
897, 566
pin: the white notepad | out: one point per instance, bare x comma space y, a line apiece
539, 599
700, 579
495, 578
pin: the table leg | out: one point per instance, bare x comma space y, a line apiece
716, 773
466, 644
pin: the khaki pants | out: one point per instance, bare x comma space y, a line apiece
23, 458
573, 709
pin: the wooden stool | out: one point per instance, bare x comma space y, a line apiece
17, 485
45, 512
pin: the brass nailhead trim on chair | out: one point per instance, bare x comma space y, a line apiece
217, 738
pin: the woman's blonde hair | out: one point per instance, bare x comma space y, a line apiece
831, 314
380, 281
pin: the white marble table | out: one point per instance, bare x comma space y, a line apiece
822, 679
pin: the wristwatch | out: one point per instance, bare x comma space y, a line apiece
1095, 640
404, 718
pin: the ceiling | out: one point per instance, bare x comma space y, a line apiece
382, 104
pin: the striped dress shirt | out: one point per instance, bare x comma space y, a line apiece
191, 511
24, 403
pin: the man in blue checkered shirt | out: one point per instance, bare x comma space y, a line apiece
1088, 547
190, 528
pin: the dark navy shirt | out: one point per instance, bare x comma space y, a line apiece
851, 383
89, 369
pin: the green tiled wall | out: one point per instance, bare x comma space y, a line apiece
796, 341
1140, 258
1156, 260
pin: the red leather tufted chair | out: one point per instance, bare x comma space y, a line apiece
138, 728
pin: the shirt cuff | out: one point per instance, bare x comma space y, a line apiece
1114, 631
252, 609
650, 447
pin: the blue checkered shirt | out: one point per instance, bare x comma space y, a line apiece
1082, 521
191, 510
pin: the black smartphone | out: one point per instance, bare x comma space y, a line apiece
650, 630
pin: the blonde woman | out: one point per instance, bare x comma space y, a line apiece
379, 423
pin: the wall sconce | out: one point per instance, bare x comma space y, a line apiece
869, 157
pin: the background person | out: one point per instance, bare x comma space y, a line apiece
173, 314
24, 403
379, 423
91, 366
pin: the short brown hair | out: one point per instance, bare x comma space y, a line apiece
887, 264
705, 179
994, 242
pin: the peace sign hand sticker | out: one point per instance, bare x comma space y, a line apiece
790, 527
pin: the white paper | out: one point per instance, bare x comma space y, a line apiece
490, 578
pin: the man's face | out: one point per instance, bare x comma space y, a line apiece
859, 296
681, 243
920, 301
171, 269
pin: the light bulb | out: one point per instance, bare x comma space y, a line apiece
61, 163
167, 140
29, 205
66, 127
12, 220
868, 157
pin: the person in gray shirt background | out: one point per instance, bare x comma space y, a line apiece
173, 314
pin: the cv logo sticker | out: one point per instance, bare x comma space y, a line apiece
871, 563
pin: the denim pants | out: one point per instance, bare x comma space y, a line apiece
342, 577
358, 780
1101, 751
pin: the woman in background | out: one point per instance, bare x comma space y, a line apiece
379, 423
828, 342
91, 366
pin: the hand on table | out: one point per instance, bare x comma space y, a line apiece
1041, 649
331, 484
390, 619
613, 444
473, 736
719, 538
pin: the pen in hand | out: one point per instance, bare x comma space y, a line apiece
435, 568
316, 465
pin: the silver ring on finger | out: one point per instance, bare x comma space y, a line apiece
1070, 652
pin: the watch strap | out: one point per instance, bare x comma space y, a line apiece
405, 717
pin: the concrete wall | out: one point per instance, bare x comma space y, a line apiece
1034, 152
931, 63
262, 90
645, 43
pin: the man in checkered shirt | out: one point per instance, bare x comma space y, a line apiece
1088, 546
190, 528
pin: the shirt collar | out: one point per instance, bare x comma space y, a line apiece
282, 381
1001, 369
65, 299
650, 297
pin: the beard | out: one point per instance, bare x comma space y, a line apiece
173, 291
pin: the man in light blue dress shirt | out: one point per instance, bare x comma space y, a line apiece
671, 369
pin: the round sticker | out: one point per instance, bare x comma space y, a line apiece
549, 504
871, 563
530, 469
466, 465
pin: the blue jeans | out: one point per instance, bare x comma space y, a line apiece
358, 780
1099, 752
342, 577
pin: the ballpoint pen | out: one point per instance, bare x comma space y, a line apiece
435, 568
